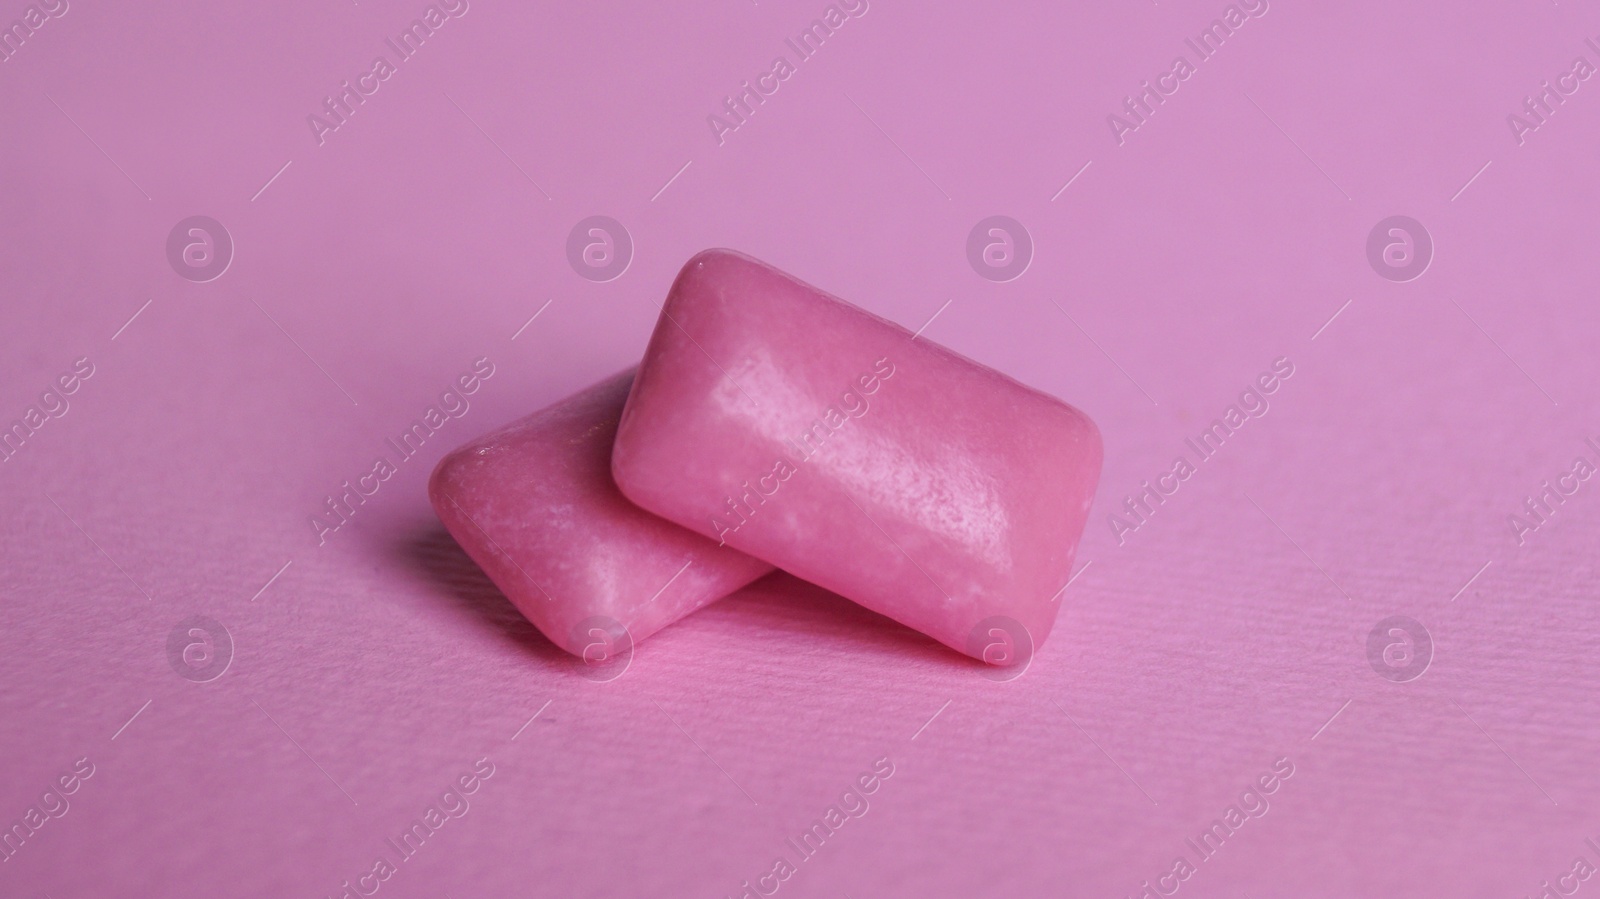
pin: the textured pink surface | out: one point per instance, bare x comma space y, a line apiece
534, 505
799, 428
1228, 231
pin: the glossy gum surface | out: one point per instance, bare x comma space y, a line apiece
811, 434
534, 505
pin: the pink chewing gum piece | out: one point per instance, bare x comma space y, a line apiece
534, 505
814, 435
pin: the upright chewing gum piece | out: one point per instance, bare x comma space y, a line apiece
812, 434
534, 505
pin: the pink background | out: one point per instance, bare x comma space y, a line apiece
1224, 634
